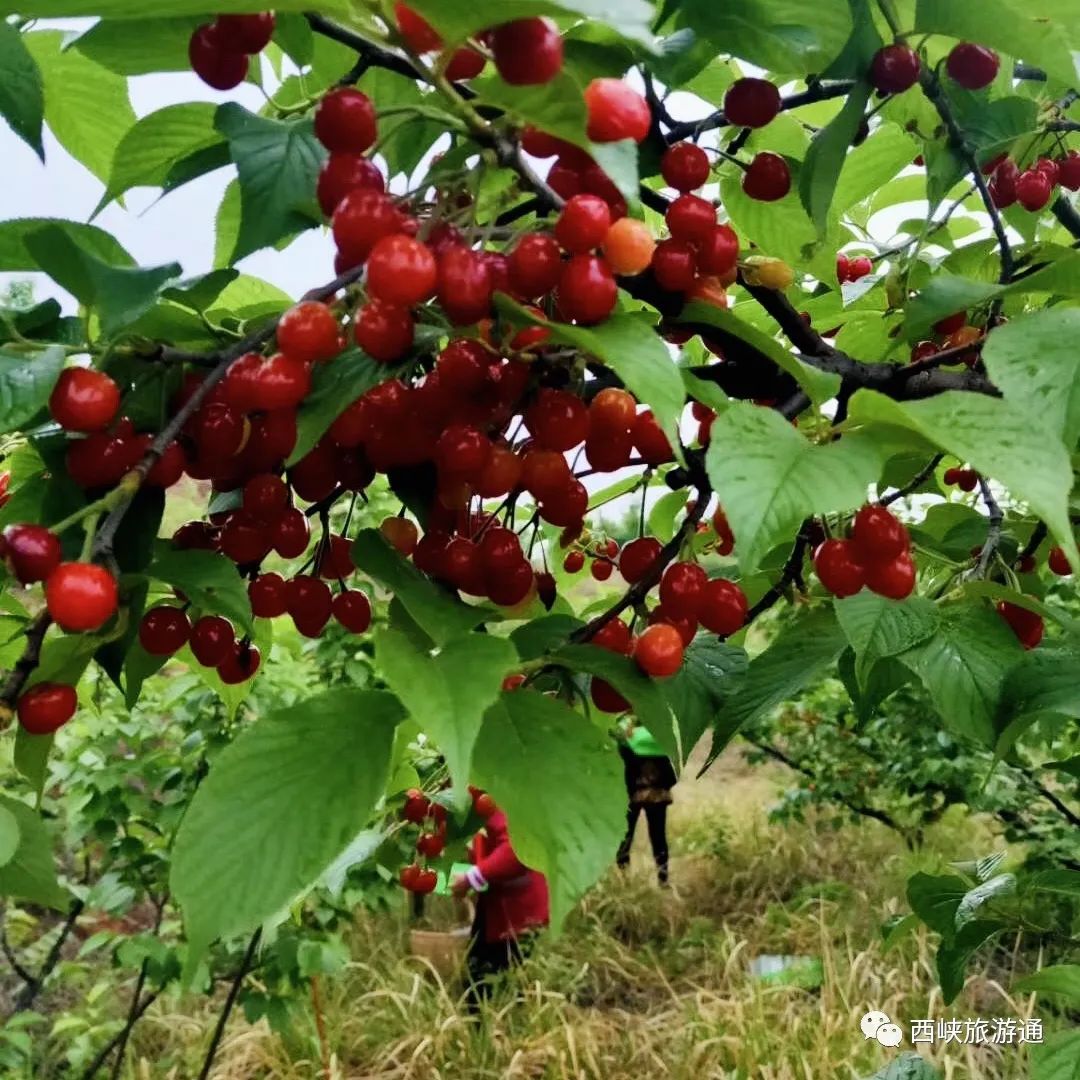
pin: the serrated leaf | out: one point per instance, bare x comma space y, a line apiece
437, 612
872, 164
15, 256
663, 513
997, 438
9, 836
538, 636
448, 692
1042, 681
30, 873
770, 478
26, 380
935, 898
334, 386
711, 672
953, 956
801, 651
86, 105
521, 758
825, 158
1061, 980
877, 627
125, 9
1058, 1058
134, 46
148, 152
209, 580
22, 97
983, 893
277, 162
279, 805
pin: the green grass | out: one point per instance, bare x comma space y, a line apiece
651, 983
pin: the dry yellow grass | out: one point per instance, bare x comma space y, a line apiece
648, 983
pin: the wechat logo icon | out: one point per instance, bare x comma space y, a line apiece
877, 1025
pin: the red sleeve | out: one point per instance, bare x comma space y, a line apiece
499, 862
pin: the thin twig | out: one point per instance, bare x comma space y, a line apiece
791, 574
23, 973
16, 680
132, 1018
994, 517
25, 998
110, 1046
230, 1001
914, 483
1038, 535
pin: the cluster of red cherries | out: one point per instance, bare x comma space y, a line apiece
852, 268
220, 52
418, 876
1033, 187
877, 556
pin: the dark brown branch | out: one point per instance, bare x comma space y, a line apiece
1067, 214
368, 52
791, 574
29, 992
110, 1046
1038, 535
914, 483
994, 518
16, 680
516, 213
230, 1001
25, 974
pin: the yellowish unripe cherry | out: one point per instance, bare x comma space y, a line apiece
629, 246
767, 272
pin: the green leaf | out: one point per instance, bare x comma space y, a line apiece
711, 672
644, 694
908, 1066
86, 105
148, 152
663, 514
1032, 361
437, 612
207, 579
457, 19
798, 655
556, 107
882, 680
1017, 30
1042, 681
1059, 979
30, 874
564, 821
538, 636
232, 695
134, 46
334, 386
963, 668
26, 380
22, 98
996, 437
447, 693
119, 294
620, 161
277, 162
15, 256
31, 758
1058, 1058
878, 628
953, 956
935, 900
983, 893
9, 836
125, 9
627, 343
769, 477
279, 805
820, 385
825, 158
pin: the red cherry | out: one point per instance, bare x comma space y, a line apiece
725, 539
401, 270
353, 610
418, 33
309, 601
244, 539
1069, 170
950, 324
718, 251
616, 111
574, 561
510, 587
558, 420
860, 267
606, 698
266, 497
722, 608
465, 64
687, 627
527, 51
894, 578
614, 636
343, 173
384, 331
535, 265
282, 383
244, 33
290, 535
681, 589
658, 650
967, 479
168, 468
464, 285
401, 533
1049, 168
691, 218
500, 548
164, 630
612, 411
564, 179
430, 845
81, 596
422, 881
32, 552
583, 223
217, 65
608, 451
267, 596
416, 806
1026, 625
212, 640
240, 664
345, 121
334, 560
544, 472
651, 442
768, 178
84, 400
587, 291
684, 166
362, 218
843, 268
309, 332
565, 506
838, 569
462, 450
894, 69
314, 476
751, 103
638, 558
46, 707
1058, 562
674, 264
1033, 189
878, 535
601, 569
972, 66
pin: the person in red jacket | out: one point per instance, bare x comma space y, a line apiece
511, 905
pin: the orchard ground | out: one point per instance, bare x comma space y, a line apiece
645, 982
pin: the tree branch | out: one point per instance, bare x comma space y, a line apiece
29, 992
110, 1046
1067, 214
914, 483
995, 517
16, 680
791, 574
230, 1001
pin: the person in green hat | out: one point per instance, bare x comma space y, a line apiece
649, 777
